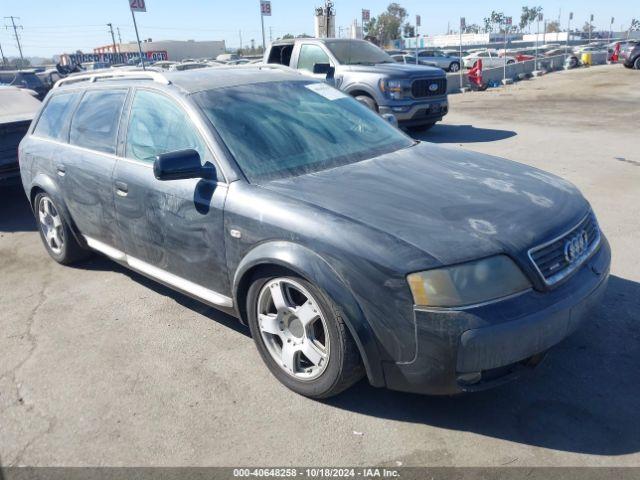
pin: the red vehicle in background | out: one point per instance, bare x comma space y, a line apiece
519, 55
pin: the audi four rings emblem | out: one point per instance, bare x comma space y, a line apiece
576, 246
433, 87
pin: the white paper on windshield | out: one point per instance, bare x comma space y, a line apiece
326, 91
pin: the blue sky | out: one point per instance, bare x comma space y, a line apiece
52, 27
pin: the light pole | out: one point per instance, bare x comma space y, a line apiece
566, 46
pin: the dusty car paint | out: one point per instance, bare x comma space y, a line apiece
355, 231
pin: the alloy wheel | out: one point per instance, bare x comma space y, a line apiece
51, 225
293, 328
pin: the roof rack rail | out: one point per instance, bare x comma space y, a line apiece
115, 75
267, 66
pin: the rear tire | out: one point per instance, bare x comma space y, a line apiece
326, 360
55, 231
510, 62
367, 102
454, 67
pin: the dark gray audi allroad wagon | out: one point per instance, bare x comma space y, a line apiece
348, 248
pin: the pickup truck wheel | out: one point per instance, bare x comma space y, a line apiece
55, 232
636, 64
454, 67
301, 337
367, 102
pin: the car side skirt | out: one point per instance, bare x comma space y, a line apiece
167, 278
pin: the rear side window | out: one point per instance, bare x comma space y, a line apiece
55, 116
95, 124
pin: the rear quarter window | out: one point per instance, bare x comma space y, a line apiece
53, 121
95, 123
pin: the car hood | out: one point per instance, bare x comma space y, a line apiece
453, 204
399, 69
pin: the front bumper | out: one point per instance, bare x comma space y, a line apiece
421, 113
482, 346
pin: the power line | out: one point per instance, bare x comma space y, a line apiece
15, 31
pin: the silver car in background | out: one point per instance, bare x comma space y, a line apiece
440, 59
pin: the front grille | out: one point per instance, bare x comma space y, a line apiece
420, 88
554, 262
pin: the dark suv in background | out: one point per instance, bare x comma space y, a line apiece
24, 79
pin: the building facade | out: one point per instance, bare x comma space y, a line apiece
176, 50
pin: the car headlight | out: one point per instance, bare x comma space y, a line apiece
392, 88
468, 283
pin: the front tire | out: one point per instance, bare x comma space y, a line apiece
636, 63
301, 337
55, 231
367, 102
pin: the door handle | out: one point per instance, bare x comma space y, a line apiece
61, 170
122, 189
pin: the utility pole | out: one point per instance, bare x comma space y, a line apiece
119, 40
590, 26
271, 34
4, 60
113, 39
240, 34
15, 32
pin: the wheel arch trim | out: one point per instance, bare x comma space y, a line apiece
311, 266
46, 184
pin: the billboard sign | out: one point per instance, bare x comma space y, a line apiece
137, 5
366, 16
112, 58
265, 8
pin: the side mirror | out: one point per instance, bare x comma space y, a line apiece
391, 119
321, 68
180, 165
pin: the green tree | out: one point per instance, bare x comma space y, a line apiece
528, 17
473, 28
496, 19
409, 30
553, 27
388, 25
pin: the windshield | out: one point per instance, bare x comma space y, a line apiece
358, 53
283, 129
